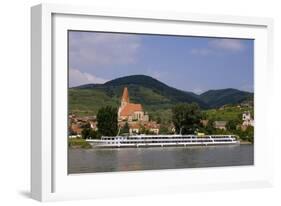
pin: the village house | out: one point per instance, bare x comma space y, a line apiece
220, 124
204, 122
247, 119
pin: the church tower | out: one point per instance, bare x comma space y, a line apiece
125, 98
124, 101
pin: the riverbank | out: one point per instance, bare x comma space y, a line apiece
245, 142
78, 143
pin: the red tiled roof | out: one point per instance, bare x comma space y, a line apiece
130, 108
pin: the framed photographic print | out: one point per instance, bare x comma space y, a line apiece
134, 102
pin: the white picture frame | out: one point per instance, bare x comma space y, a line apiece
49, 178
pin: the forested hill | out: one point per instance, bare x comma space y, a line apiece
218, 98
151, 93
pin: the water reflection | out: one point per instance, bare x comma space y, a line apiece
130, 159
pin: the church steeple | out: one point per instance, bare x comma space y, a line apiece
125, 97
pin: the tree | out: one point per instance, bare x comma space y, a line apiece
232, 125
204, 115
144, 130
186, 118
89, 133
86, 125
158, 120
164, 129
86, 133
107, 121
248, 134
209, 128
95, 134
125, 129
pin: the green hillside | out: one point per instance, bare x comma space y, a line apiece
218, 98
227, 113
84, 102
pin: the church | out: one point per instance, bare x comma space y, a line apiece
135, 116
129, 111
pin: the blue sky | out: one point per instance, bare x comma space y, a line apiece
195, 64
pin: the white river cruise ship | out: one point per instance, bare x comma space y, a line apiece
163, 140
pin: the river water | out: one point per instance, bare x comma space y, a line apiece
132, 159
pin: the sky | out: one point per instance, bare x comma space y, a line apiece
195, 64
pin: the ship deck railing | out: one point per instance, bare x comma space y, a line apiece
165, 140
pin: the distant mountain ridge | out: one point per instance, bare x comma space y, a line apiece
218, 98
151, 93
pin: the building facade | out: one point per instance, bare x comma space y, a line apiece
220, 125
247, 119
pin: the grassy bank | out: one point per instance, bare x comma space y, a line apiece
78, 143
245, 142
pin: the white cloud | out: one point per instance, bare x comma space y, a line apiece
217, 46
77, 78
227, 44
102, 49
